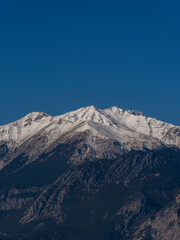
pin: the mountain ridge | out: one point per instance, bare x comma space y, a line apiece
111, 118
96, 174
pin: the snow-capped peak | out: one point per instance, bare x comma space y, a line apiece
24, 128
35, 116
87, 114
130, 128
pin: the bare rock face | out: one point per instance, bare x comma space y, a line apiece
165, 225
15, 199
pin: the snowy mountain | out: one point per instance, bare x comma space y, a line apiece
131, 130
62, 176
127, 127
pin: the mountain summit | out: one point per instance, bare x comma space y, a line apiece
132, 129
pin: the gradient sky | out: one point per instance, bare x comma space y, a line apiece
57, 56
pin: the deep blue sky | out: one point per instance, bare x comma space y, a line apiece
57, 56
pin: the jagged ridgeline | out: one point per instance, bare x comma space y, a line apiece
90, 174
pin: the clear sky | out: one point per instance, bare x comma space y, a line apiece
57, 56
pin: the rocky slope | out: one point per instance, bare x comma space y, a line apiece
90, 174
